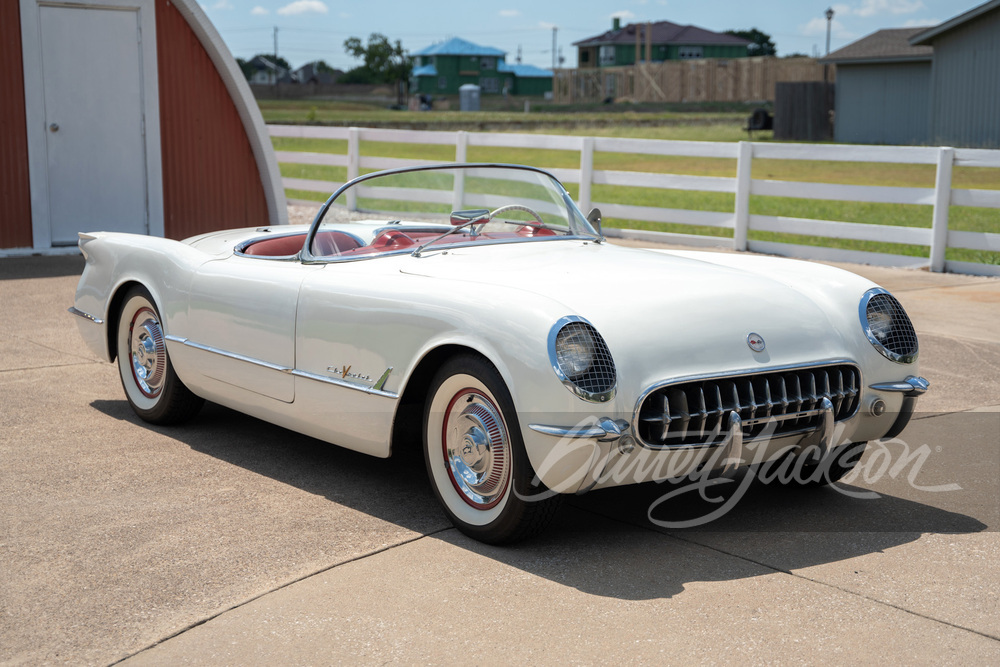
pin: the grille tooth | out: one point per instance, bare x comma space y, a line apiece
696, 412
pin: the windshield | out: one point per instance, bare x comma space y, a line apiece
419, 209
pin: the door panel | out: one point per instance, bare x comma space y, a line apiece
95, 147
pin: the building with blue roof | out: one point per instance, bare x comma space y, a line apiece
440, 69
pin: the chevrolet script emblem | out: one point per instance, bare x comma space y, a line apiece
756, 342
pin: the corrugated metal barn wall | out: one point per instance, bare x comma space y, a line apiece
15, 189
210, 176
966, 83
883, 104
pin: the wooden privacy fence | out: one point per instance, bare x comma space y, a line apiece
698, 80
938, 238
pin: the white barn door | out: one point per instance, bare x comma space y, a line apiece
92, 99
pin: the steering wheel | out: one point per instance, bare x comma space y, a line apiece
518, 207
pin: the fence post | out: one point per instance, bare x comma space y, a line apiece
353, 165
741, 220
586, 172
461, 150
942, 201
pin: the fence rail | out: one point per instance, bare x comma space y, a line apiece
941, 197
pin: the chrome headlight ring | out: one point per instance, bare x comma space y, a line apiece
887, 326
581, 359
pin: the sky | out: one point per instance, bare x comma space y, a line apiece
316, 29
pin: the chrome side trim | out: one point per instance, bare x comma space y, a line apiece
342, 383
912, 386
73, 310
228, 355
605, 430
285, 369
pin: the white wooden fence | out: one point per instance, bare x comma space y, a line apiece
940, 197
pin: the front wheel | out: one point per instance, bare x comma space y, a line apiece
475, 456
153, 390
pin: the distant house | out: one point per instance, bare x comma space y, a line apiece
656, 42
317, 72
933, 85
442, 68
266, 71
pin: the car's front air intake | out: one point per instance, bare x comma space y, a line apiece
775, 403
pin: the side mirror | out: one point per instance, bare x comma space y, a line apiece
594, 218
470, 216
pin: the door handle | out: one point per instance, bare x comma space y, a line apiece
54, 127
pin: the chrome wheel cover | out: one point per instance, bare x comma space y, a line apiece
147, 352
476, 449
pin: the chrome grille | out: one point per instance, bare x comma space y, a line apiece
697, 412
897, 335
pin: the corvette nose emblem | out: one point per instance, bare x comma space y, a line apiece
756, 342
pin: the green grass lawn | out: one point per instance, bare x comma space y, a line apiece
704, 127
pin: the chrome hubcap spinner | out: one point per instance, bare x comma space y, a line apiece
148, 352
476, 449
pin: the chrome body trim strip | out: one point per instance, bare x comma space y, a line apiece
342, 383
605, 430
73, 310
285, 369
912, 386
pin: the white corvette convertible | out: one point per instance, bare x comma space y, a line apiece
477, 304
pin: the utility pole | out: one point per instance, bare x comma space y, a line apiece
276, 61
554, 56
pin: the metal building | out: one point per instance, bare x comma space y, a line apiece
125, 115
938, 85
965, 80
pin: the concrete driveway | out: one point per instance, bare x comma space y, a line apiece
230, 541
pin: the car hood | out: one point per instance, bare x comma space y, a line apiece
666, 315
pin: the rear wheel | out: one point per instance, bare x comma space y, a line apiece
475, 456
152, 388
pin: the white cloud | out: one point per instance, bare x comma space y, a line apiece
509, 13
545, 25
623, 14
259, 11
304, 7
223, 4
920, 23
894, 7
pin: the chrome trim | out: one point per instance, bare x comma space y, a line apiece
736, 374
73, 310
306, 375
284, 369
912, 386
380, 383
876, 343
734, 452
601, 397
605, 430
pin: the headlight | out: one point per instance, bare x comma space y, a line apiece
581, 359
887, 326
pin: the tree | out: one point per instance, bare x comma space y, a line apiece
761, 42
384, 62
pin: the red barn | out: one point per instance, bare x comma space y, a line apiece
125, 115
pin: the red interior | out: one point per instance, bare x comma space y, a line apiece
333, 243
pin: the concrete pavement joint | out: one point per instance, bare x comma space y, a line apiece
216, 615
798, 576
839, 588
